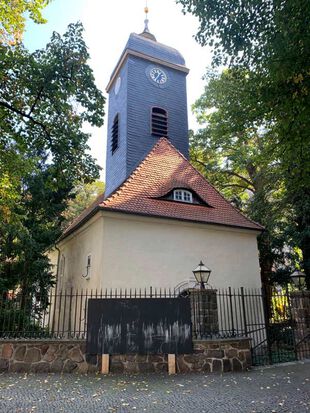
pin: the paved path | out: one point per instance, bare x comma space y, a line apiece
282, 388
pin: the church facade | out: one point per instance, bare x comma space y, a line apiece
159, 216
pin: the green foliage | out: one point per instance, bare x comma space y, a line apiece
45, 98
12, 18
84, 196
236, 149
271, 40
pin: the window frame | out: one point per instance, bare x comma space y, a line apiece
182, 195
165, 118
113, 146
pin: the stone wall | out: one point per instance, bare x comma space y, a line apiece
69, 356
44, 356
204, 312
300, 308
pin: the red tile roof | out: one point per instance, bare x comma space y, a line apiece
164, 169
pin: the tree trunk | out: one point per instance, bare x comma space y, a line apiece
266, 263
305, 247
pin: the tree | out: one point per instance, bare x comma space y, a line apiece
271, 39
45, 98
84, 196
235, 150
12, 18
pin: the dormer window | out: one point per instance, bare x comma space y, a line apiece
159, 122
182, 195
115, 134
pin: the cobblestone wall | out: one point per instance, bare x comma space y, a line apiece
69, 356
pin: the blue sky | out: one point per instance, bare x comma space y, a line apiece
59, 14
108, 24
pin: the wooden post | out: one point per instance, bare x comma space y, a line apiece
171, 364
105, 363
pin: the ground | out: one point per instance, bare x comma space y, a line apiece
281, 388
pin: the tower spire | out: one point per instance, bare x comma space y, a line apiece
146, 32
146, 21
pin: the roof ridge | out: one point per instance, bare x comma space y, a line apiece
157, 42
120, 188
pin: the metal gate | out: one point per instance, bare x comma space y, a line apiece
283, 333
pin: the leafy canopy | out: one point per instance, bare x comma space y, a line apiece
236, 150
85, 195
45, 98
271, 40
12, 17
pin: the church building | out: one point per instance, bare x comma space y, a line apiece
159, 216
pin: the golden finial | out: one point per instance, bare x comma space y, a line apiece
146, 21
146, 32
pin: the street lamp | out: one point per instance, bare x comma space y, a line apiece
202, 274
298, 278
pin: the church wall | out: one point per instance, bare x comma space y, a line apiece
143, 252
75, 248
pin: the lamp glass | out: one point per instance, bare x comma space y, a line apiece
202, 273
298, 279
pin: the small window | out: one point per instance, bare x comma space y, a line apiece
159, 122
115, 134
62, 265
182, 195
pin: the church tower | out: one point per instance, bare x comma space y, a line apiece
147, 100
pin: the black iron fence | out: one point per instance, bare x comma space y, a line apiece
278, 324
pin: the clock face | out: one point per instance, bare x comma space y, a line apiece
158, 75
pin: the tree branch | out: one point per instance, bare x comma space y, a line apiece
232, 173
239, 186
27, 116
36, 100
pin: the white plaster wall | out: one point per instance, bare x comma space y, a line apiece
143, 252
76, 247
136, 252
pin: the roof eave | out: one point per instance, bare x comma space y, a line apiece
128, 52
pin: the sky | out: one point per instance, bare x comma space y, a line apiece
108, 24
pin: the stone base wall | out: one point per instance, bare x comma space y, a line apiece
69, 356
51, 356
217, 356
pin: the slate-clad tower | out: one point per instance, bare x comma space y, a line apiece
147, 100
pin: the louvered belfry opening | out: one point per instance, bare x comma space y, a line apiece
159, 122
115, 134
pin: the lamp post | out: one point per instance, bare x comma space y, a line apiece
298, 279
202, 275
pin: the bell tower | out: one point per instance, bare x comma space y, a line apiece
147, 100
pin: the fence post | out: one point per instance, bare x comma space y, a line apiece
70, 310
266, 308
54, 311
244, 312
231, 312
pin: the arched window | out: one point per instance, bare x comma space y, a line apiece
183, 195
159, 122
115, 134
